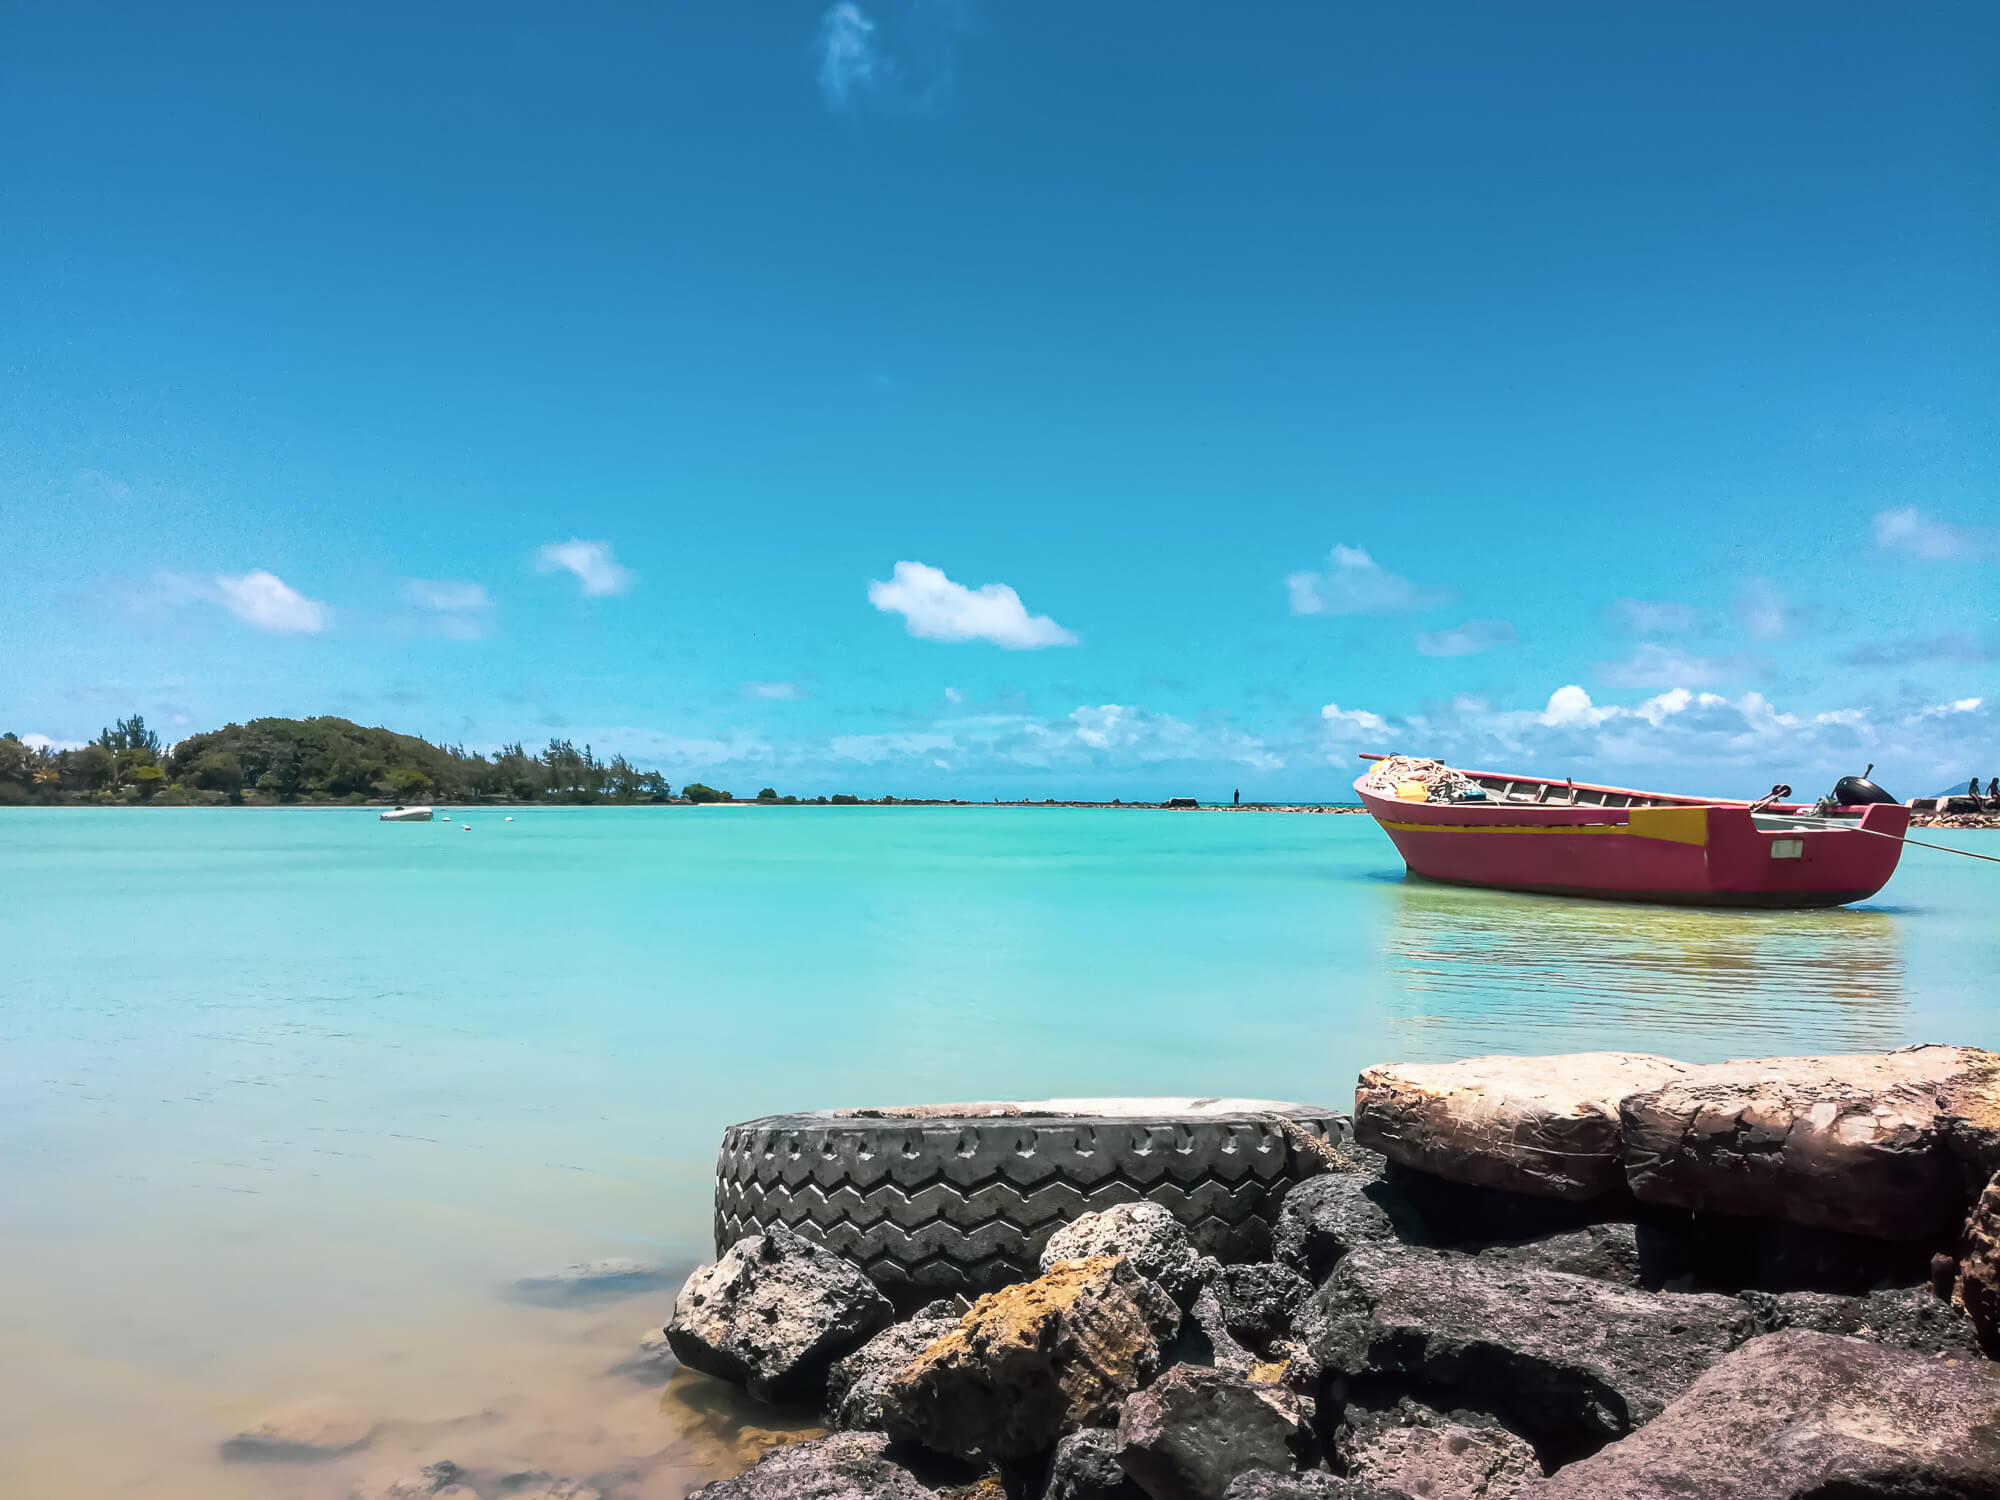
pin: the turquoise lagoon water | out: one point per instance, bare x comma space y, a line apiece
288, 1099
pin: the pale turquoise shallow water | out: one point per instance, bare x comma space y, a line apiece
286, 1097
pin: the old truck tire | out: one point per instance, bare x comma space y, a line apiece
963, 1197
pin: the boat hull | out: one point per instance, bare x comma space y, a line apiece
1688, 854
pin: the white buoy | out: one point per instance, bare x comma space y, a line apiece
466, 826
510, 820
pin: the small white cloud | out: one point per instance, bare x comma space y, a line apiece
43, 742
1352, 721
1910, 530
1570, 707
1468, 639
773, 692
1652, 665
1654, 617
953, 695
937, 609
848, 61
1764, 611
268, 602
592, 562
1358, 585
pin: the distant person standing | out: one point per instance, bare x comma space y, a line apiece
1236, 798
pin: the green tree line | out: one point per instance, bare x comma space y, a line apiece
311, 760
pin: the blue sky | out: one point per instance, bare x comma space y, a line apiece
976, 399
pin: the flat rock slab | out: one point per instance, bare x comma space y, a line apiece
1547, 1126
307, 1431
1569, 1361
594, 1281
1033, 1362
1877, 1145
1800, 1416
774, 1314
845, 1466
1194, 1431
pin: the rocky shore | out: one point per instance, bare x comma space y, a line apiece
1515, 1278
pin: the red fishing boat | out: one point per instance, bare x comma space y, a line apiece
1574, 838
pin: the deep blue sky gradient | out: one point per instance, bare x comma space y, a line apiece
1138, 310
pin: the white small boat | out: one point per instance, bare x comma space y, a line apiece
407, 815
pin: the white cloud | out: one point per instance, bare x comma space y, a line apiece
1468, 639
1654, 617
1653, 665
848, 60
1358, 585
464, 611
1571, 705
592, 562
1766, 613
1352, 722
937, 609
773, 692
43, 742
268, 602
953, 695
1910, 530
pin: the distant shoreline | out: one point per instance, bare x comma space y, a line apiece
446, 808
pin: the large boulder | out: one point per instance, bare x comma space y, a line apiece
1147, 1235
845, 1466
1979, 1268
1568, 1361
1033, 1362
855, 1384
1324, 1217
1809, 1416
1874, 1145
1409, 1449
1913, 1318
1547, 1126
1193, 1431
774, 1314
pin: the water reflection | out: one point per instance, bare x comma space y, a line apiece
1485, 967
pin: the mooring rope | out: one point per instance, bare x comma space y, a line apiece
1941, 848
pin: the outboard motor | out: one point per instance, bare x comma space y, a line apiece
1859, 791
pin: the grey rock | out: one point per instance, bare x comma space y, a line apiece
1147, 1235
443, 1478
1569, 1362
1604, 1252
1193, 1431
1312, 1484
1324, 1217
1085, 1467
1410, 1449
1809, 1416
1034, 1362
1546, 1126
855, 1384
1257, 1303
774, 1314
1912, 1318
1870, 1145
845, 1466
593, 1281
1977, 1272
1205, 1338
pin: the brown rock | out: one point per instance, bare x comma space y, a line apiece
1441, 1460
1548, 1126
1033, 1362
1979, 1269
1873, 1145
1808, 1416
307, 1431
1194, 1430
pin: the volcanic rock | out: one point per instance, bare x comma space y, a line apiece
1547, 1126
1147, 1235
1913, 1318
1033, 1362
1979, 1268
1808, 1416
1193, 1431
1085, 1467
1871, 1145
442, 1480
1324, 1217
1603, 1252
855, 1383
1256, 1303
1312, 1484
1568, 1361
1409, 1449
845, 1466
774, 1313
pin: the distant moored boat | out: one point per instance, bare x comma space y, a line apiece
1574, 838
407, 815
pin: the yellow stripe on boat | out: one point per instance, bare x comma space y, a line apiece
1677, 825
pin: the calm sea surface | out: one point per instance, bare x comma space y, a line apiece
289, 1099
